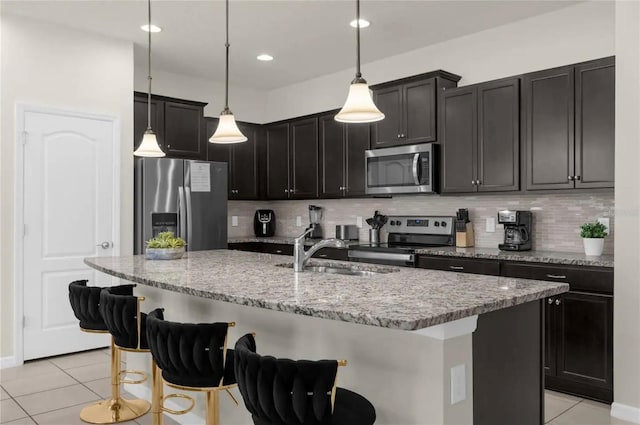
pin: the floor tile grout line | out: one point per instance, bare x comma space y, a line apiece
564, 411
61, 408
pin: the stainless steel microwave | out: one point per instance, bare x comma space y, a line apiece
405, 169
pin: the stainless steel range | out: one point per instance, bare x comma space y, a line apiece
406, 234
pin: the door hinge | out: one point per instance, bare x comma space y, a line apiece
25, 136
24, 322
24, 230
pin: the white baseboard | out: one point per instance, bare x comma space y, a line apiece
143, 392
626, 413
9, 361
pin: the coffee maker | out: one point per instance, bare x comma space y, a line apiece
517, 230
315, 215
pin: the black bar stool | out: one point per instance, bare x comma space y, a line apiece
85, 302
191, 357
290, 392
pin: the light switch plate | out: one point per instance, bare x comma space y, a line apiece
458, 384
359, 221
491, 225
299, 220
605, 221
234, 220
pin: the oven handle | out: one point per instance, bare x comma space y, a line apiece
380, 255
416, 176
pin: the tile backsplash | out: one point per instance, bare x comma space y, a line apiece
556, 217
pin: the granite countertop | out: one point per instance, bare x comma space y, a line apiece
405, 298
546, 257
285, 240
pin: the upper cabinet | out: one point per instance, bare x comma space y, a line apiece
292, 159
480, 137
242, 158
177, 123
342, 163
410, 107
569, 117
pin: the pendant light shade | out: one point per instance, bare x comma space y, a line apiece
359, 106
227, 131
149, 146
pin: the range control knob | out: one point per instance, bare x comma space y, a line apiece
392, 223
437, 224
443, 224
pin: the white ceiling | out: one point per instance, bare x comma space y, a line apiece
307, 38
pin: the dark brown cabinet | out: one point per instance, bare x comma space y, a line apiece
569, 116
287, 249
292, 159
481, 137
242, 159
177, 123
342, 163
578, 328
410, 107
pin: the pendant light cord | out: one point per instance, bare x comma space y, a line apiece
226, 45
149, 68
358, 74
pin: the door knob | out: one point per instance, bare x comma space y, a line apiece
104, 245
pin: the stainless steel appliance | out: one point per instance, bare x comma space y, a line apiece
405, 235
315, 216
264, 223
517, 230
405, 169
347, 232
186, 197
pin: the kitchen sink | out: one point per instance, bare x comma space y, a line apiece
344, 270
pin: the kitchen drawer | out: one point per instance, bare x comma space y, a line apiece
332, 254
589, 279
463, 265
276, 248
244, 246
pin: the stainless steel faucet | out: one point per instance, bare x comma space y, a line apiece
300, 257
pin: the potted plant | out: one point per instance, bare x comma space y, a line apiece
165, 246
593, 236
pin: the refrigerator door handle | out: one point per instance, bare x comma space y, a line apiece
182, 214
187, 191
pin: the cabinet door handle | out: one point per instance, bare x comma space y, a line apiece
398, 136
322, 255
473, 182
576, 177
556, 276
558, 301
286, 191
570, 178
550, 301
478, 182
456, 267
278, 251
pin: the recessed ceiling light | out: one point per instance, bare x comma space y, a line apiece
264, 57
150, 28
363, 23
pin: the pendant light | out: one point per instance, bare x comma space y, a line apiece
149, 146
359, 107
227, 131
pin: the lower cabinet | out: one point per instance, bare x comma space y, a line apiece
287, 249
464, 265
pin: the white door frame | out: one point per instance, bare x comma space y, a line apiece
18, 244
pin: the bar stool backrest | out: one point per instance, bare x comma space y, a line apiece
284, 391
85, 301
120, 310
189, 354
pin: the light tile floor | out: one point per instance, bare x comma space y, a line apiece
53, 391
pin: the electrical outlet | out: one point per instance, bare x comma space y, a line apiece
458, 384
491, 225
299, 221
234, 220
359, 221
605, 221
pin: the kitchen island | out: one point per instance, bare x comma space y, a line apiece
402, 329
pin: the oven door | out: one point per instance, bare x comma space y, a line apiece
406, 169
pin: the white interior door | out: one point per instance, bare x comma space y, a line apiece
69, 195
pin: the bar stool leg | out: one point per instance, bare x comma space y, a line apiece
213, 408
116, 409
157, 394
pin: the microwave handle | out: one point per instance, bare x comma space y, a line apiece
416, 170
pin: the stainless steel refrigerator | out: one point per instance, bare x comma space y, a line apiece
186, 197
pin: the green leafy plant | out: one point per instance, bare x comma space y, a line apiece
166, 240
593, 230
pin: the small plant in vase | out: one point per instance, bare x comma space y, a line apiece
593, 235
165, 246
